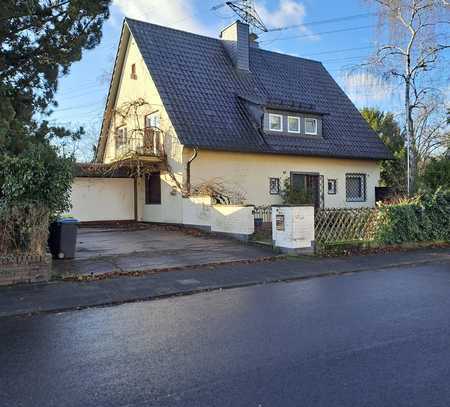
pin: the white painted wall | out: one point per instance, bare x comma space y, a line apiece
101, 199
298, 230
233, 219
171, 208
197, 210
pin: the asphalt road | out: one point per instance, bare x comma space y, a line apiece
368, 339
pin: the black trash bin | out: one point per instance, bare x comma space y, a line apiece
63, 238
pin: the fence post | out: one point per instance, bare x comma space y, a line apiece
293, 228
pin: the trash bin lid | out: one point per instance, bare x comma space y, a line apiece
68, 220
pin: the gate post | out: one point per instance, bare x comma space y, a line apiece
293, 228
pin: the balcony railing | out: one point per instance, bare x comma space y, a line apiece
149, 144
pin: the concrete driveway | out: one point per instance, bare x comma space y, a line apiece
141, 247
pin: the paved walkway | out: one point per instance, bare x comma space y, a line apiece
60, 296
144, 247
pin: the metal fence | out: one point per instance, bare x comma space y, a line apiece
340, 225
148, 144
262, 214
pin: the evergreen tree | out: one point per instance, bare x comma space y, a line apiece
393, 172
39, 41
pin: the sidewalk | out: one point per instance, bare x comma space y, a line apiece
63, 296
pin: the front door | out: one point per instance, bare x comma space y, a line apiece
307, 187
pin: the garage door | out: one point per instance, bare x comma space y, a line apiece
102, 199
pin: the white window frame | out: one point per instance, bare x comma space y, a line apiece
316, 126
271, 115
276, 186
299, 124
154, 118
333, 190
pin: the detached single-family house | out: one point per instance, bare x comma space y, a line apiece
197, 111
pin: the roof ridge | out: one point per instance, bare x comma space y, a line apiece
171, 28
218, 39
287, 55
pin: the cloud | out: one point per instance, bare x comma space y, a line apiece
367, 89
289, 12
178, 14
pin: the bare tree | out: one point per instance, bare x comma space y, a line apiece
413, 50
431, 135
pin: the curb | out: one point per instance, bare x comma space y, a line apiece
138, 273
225, 287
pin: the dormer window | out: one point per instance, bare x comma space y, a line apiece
293, 124
133, 71
310, 126
275, 122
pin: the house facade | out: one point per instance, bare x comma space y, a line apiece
197, 113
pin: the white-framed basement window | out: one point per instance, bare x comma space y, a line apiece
275, 122
310, 126
293, 124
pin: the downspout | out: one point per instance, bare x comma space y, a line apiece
188, 171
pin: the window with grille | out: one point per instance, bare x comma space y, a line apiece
332, 187
355, 187
153, 189
274, 186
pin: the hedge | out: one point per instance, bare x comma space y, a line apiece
425, 217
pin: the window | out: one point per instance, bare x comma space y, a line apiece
332, 187
274, 186
293, 124
133, 71
310, 126
306, 187
152, 120
121, 137
275, 122
153, 189
355, 187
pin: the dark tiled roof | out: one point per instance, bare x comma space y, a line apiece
199, 88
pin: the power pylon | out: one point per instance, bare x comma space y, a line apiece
246, 10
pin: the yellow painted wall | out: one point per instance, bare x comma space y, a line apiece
250, 173
247, 173
143, 87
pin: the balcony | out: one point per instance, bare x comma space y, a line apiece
147, 146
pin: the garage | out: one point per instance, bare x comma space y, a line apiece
102, 199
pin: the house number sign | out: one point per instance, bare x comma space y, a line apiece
280, 222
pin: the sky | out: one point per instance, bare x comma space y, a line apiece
340, 45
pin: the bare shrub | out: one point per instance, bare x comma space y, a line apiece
221, 191
23, 230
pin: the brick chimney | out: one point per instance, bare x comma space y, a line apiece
235, 38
